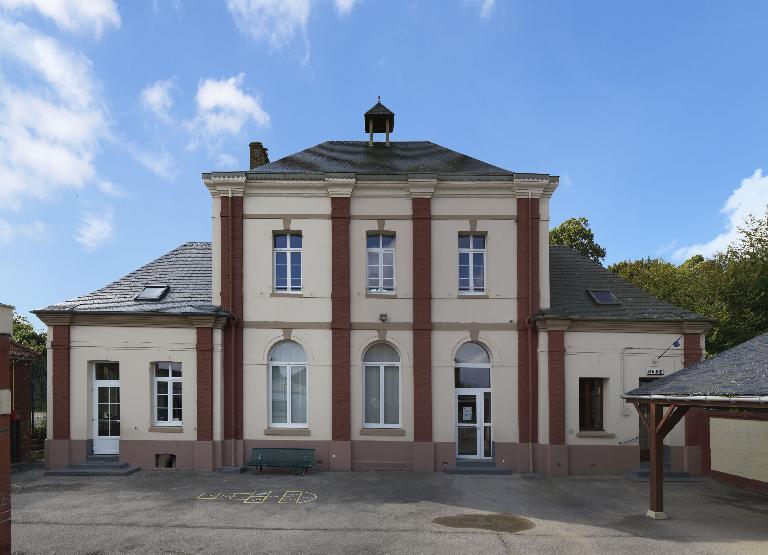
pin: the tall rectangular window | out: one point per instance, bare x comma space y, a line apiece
287, 262
471, 263
381, 263
167, 385
591, 404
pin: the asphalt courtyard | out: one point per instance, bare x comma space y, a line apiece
376, 512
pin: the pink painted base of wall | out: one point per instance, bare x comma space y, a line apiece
602, 459
553, 460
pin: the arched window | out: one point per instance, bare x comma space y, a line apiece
472, 366
381, 387
288, 385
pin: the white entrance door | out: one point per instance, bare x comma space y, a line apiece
473, 423
106, 408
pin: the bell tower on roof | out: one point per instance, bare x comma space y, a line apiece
379, 119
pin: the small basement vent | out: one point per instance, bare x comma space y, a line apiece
164, 461
603, 296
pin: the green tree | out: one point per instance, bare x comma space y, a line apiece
26, 334
731, 287
575, 233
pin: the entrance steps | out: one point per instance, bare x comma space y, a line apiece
477, 467
643, 474
96, 465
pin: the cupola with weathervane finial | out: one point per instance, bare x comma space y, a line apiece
379, 119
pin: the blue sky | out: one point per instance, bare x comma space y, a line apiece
654, 114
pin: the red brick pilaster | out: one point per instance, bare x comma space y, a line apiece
340, 319
696, 423
204, 384
527, 305
556, 363
232, 300
422, 318
5, 449
60, 379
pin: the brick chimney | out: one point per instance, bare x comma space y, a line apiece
259, 155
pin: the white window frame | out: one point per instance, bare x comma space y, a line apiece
289, 424
471, 251
288, 250
380, 251
170, 380
381, 366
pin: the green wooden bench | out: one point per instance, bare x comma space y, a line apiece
287, 457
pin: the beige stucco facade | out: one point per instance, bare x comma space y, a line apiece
739, 447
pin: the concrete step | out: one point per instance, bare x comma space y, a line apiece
477, 467
102, 465
95, 469
479, 463
103, 458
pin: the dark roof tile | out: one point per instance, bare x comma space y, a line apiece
401, 157
738, 372
186, 269
572, 275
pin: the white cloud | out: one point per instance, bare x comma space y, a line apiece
109, 188
226, 162
33, 230
223, 107
78, 16
486, 7
158, 161
274, 21
750, 198
158, 99
51, 128
345, 6
95, 230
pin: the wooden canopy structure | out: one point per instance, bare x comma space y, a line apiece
734, 379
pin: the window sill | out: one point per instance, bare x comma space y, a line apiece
167, 429
473, 296
372, 295
297, 294
287, 432
595, 433
382, 432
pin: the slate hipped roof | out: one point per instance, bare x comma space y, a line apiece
186, 270
400, 158
571, 275
738, 372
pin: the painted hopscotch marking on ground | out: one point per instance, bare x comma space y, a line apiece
260, 497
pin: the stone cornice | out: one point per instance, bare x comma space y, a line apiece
631, 326
133, 320
225, 184
422, 186
553, 324
340, 185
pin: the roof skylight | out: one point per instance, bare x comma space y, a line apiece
152, 293
603, 296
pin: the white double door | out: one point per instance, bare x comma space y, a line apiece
473, 423
106, 409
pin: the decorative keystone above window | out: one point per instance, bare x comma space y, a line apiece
603, 296
152, 293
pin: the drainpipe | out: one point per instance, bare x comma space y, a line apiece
231, 335
529, 325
